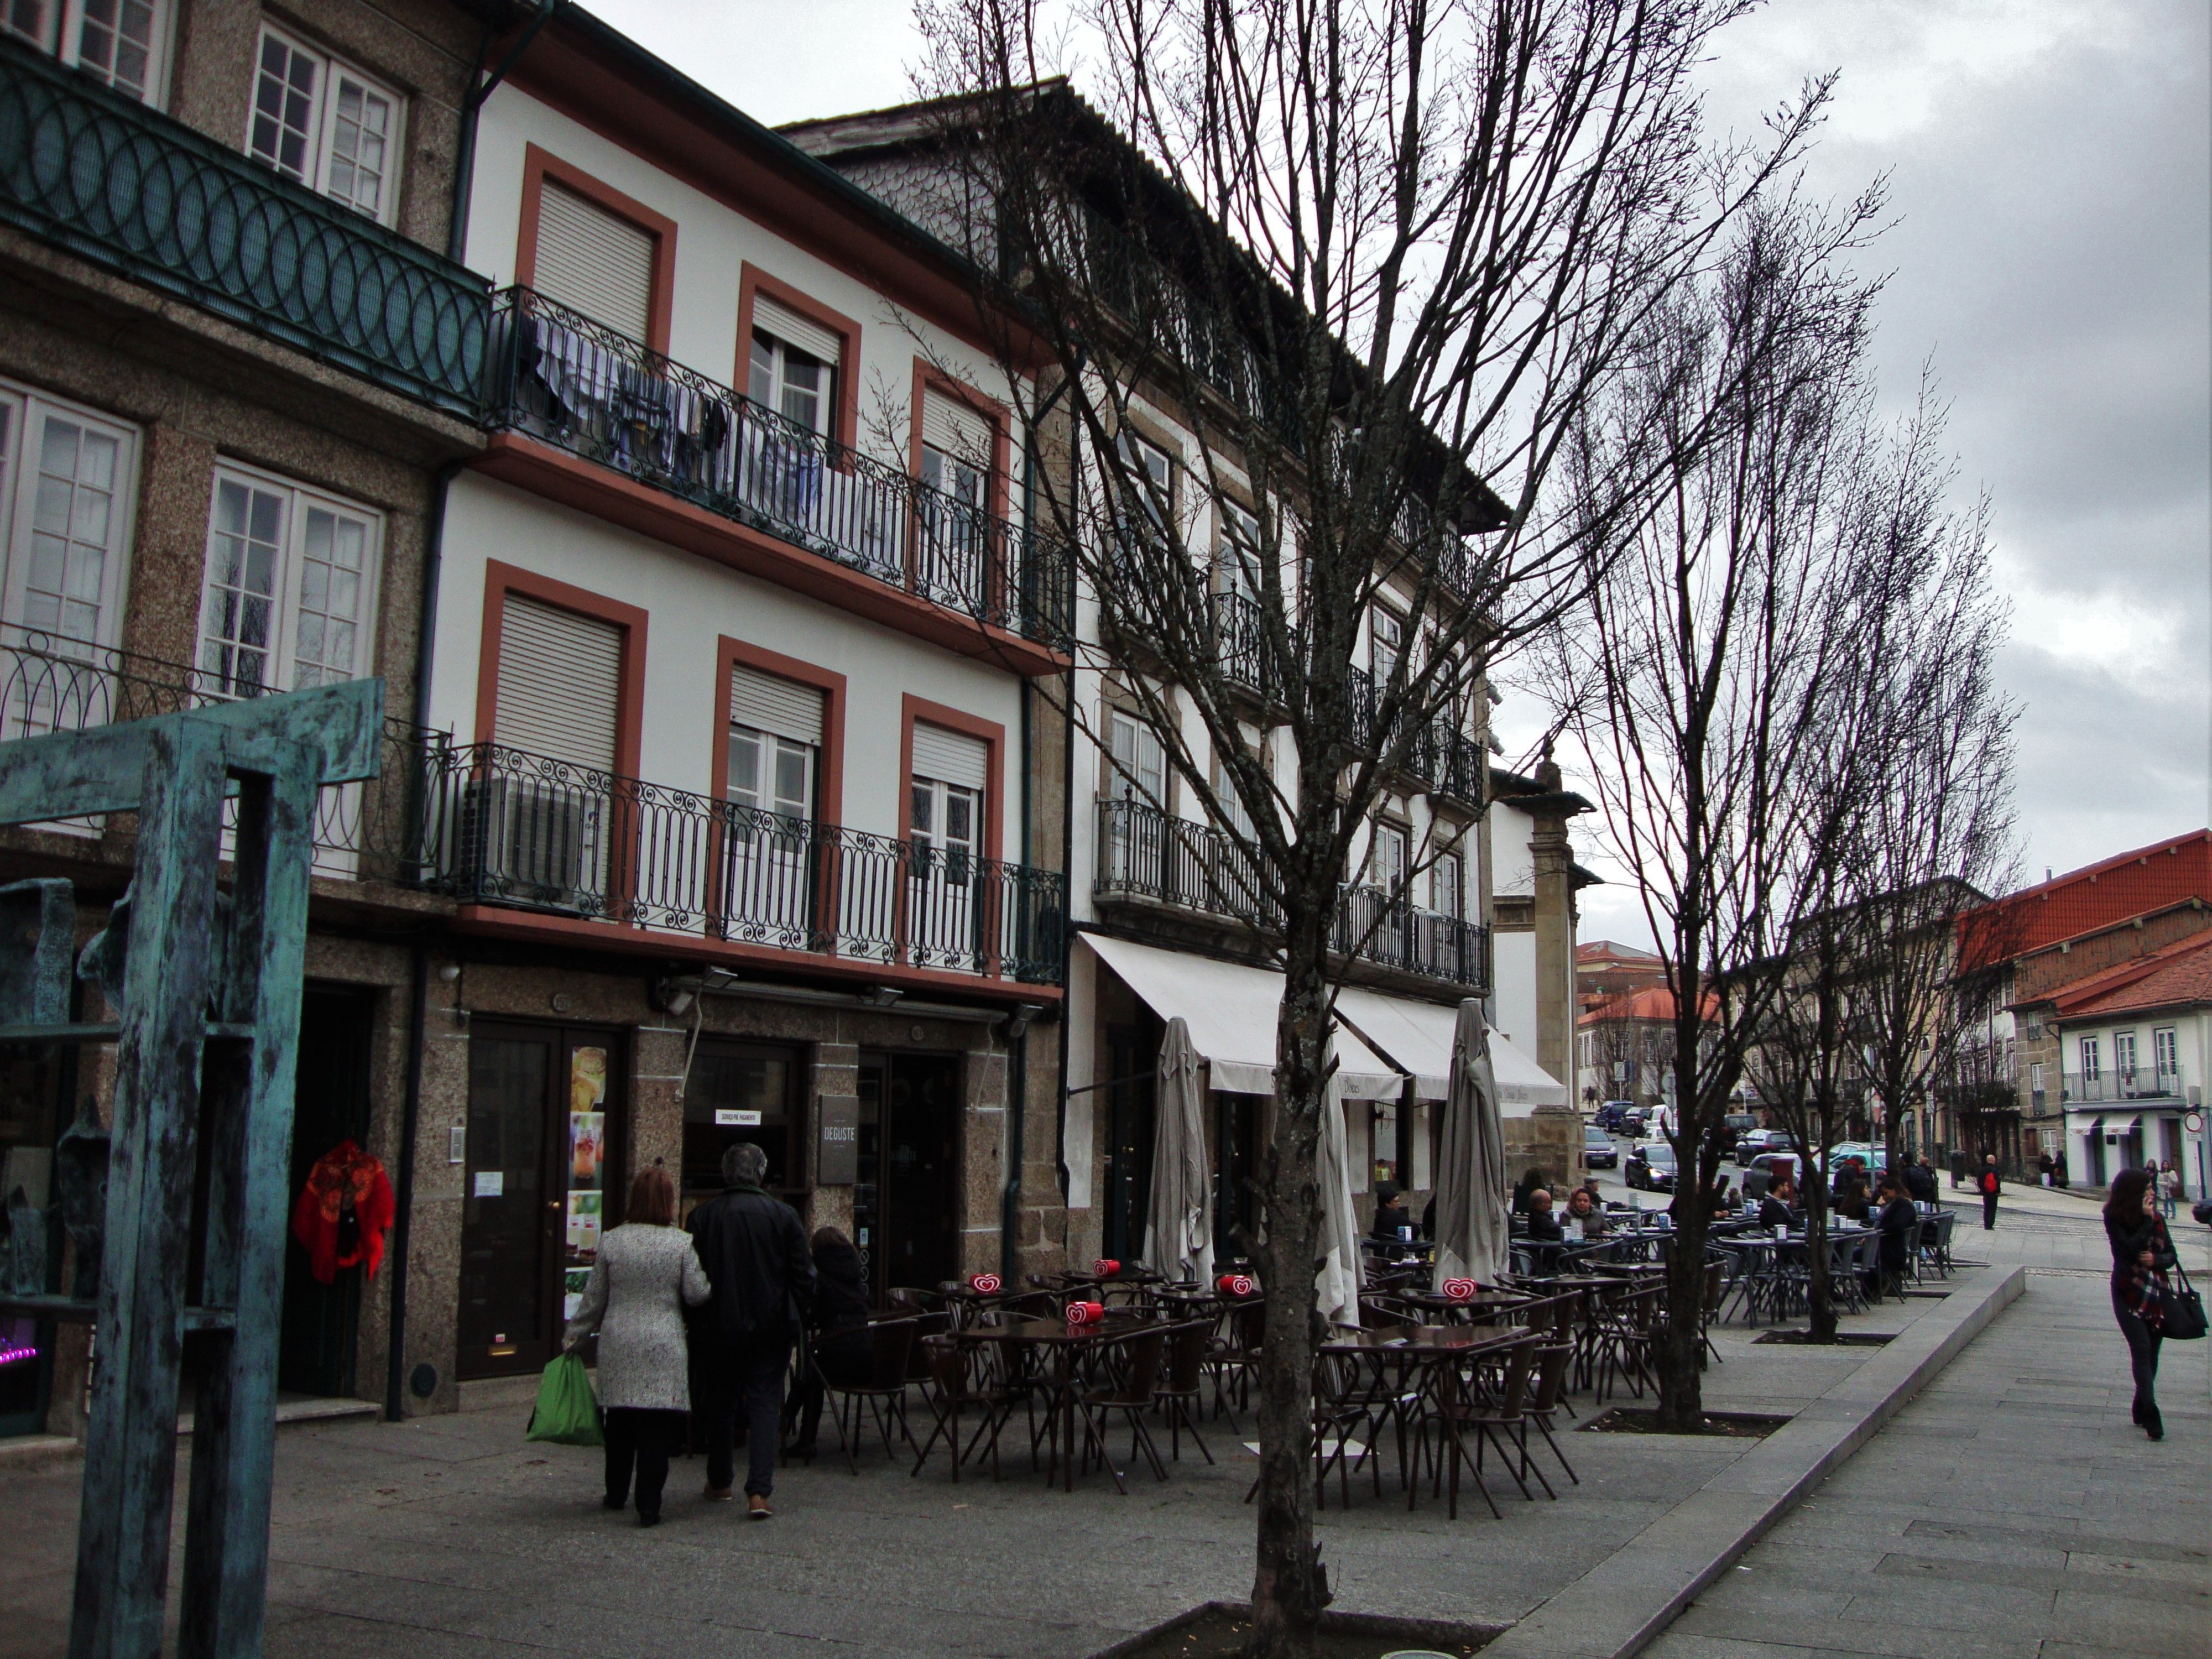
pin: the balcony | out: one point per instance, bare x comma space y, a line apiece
129, 189
1147, 854
565, 381
522, 831
2137, 1083
371, 831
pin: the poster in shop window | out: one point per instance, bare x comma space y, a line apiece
588, 1148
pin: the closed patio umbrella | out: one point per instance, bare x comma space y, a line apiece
1472, 1237
1179, 1229
1337, 1286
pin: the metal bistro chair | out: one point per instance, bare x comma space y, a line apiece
1143, 1350
953, 1391
1178, 1397
883, 1396
1342, 1405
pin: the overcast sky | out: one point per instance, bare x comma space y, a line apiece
2050, 177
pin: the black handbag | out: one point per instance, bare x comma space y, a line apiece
2185, 1311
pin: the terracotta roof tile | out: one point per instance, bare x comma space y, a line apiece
2084, 900
2179, 973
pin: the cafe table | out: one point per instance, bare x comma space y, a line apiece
1071, 1347
1484, 1303
1427, 1360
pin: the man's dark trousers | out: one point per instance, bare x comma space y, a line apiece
744, 1374
1989, 1211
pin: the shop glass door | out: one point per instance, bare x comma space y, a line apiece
535, 1193
907, 1200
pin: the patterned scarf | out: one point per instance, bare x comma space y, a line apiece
2145, 1290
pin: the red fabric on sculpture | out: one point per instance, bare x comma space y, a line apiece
343, 1212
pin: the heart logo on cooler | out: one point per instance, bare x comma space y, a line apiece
1086, 1313
1105, 1267
1237, 1283
985, 1283
1460, 1290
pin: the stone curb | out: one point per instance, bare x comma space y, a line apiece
1623, 1603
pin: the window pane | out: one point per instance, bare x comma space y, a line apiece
283, 129
759, 384
925, 799
31, 19
959, 818
331, 554
244, 555
72, 520
115, 43
791, 770
743, 785
361, 129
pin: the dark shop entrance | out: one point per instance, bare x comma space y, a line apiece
906, 1199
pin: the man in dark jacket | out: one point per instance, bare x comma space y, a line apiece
1958, 1166
754, 1253
1989, 1181
1920, 1181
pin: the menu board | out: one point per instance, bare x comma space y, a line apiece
587, 1167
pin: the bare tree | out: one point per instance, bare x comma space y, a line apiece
1372, 263
1703, 679
1938, 829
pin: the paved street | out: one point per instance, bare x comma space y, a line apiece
2012, 1511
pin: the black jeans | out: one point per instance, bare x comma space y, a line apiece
644, 1438
744, 1374
844, 1357
2142, 1359
1989, 1211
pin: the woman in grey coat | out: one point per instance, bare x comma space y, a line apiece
646, 1270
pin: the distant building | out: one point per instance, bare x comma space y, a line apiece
2135, 1040
1605, 969
2006, 1093
1625, 1048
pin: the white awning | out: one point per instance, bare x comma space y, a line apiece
1417, 1037
1231, 1011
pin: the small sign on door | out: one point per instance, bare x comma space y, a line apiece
490, 1183
726, 1118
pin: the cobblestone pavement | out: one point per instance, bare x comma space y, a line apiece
451, 1535
2012, 1511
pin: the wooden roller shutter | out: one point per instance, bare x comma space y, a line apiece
560, 683
793, 330
592, 261
768, 702
950, 757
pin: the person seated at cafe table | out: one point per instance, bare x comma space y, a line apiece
1896, 1221
1390, 1213
1583, 1214
1525, 1189
1774, 1208
1543, 1225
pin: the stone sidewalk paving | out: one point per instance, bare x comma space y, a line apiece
2012, 1511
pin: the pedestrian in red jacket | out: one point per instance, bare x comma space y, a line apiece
1989, 1183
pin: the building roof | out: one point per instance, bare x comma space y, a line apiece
2082, 901
1653, 1002
1605, 950
2176, 976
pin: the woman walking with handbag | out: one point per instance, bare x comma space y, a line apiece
646, 1269
2143, 1255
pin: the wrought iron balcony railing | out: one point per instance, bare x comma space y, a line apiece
147, 196
569, 381
516, 828
1145, 852
2135, 1083
376, 830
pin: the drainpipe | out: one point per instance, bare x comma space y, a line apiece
425, 637
464, 155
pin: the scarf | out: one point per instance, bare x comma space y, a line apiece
2144, 1290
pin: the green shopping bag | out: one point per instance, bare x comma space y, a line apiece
567, 1413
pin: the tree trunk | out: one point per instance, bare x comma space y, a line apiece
1289, 1587
1820, 1287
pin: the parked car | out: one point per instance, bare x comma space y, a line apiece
1650, 1167
1760, 1173
1598, 1151
1877, 1158
1761, 1140
1736, 1125
1617, 1115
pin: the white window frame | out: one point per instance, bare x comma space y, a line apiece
2165, 1050
1385, 653
2092, 1066
299, 500
23, 412
323, 125
1447, 896
1126, 772
770, 750
1157, 465
777, 368
2124, 1054
60, 32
